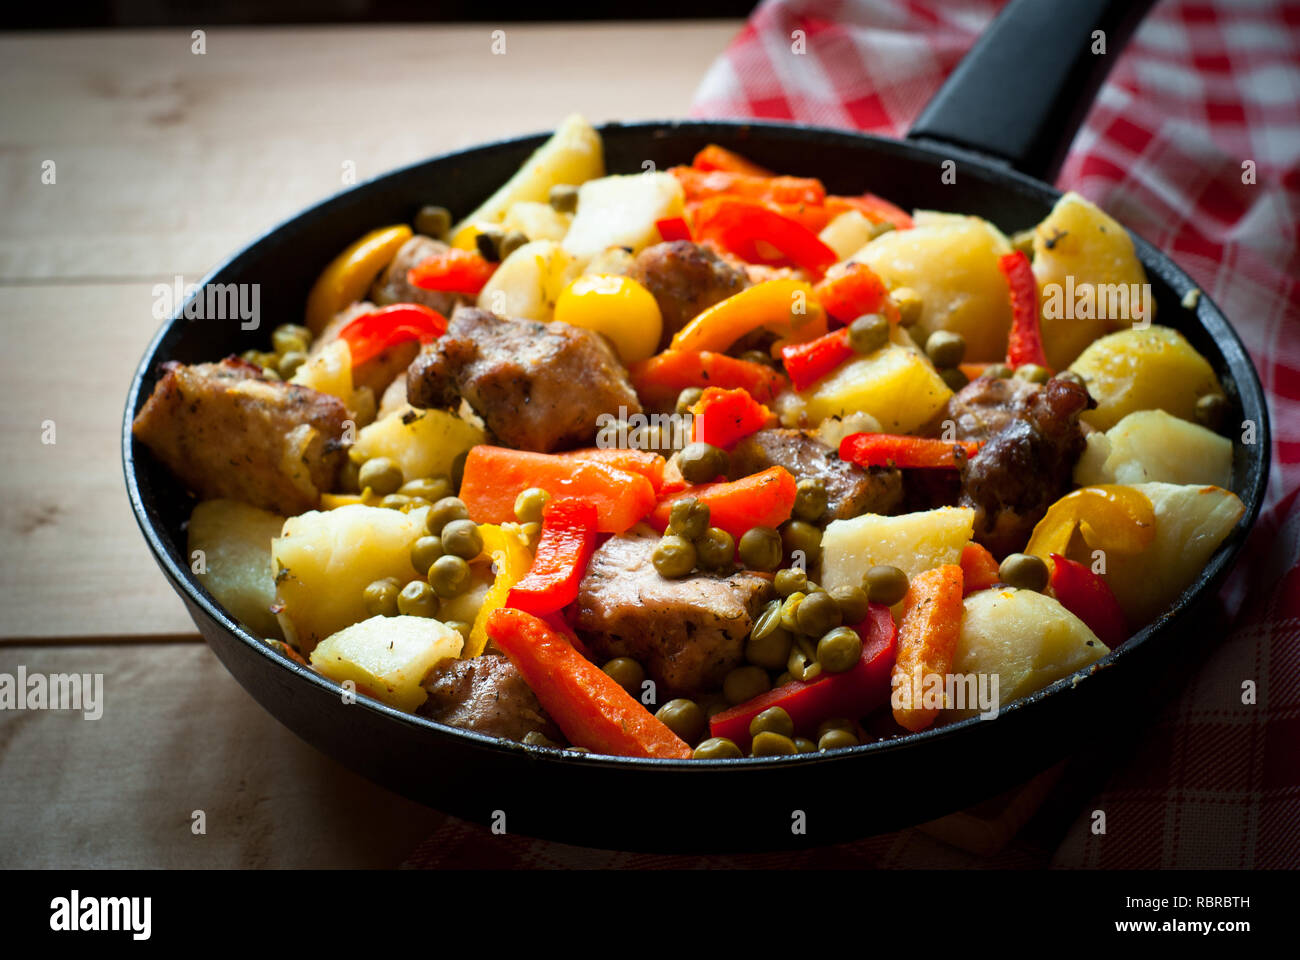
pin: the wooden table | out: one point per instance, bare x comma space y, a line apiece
163, 162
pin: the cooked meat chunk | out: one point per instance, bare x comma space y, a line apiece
850, 490
226, 432
685, 279
1026, 465
687, 633
392, 286
381, 370
985, 406
537, 386
488, 695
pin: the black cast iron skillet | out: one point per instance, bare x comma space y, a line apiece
1005, 117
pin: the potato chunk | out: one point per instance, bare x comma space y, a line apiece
1143, 369
236, 543
323, 563
422, 442
387, 657
1027, 639
621, 211
1152, 446
913, 542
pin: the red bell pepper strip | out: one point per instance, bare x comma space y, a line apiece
673, 228
894, 450
567, 542
979, 569
853, 290
1089, 598
586, 703
725, 417
1025, 341
453, 270
739, 226
714, 157
659, 379
370, 334
760, 500
874, 208
808, 362
854, 693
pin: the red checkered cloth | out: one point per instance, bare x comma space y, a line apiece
1201, 89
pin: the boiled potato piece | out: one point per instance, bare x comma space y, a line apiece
1149, 369
848, 233
834, 429
621, 211
537, 221
913, 542
236, 542
952, 262
1191, 522
1027, 639
1079, 246
573, 155
465, 606
422, 442
323, 562
1152, 446
896, 385
387, 657
330, 371
528, 282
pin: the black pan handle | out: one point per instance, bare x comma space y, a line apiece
1024, 88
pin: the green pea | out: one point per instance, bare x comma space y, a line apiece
804, 745
853, 603
774, 720
868, 333
381, 598
1212, 410
790, 580
627, 673
817, 613
687, 399
433, 222
290, 362
945, 349
674, 557
350, 477
998, 371
449, 576
444, 512
909, 305
702, 462
954, 378
395, 501
381, 475
417, 599
769, 648
563, 198
689, 518
684, 718
488, 243
431, 489
839, 650
802, 664
768, 744
886, 584
716, 550
461, 538
790, 611
424, 552
1024, 571
761, 357
836, 723
799, 536
291, 338
744, 683
511, 242
1032, 372
760, 549
717, 748
259, 358
836, 740
810, 500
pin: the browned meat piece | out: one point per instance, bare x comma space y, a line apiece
685, 279
687, 633
226, 432
850, 490
537, 386
488, 695
1026, 465
984, 406
392, 286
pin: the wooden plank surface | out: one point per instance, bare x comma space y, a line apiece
165, 162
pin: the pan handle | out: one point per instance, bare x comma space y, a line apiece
1022, 91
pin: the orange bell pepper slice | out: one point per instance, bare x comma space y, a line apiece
1109, 517
786, 306
659, 379
350, 274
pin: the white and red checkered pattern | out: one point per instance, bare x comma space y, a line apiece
1201, 89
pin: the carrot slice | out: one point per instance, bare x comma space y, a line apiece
714, 157
761, 500
659, 379
927, 639
978, 567
645, 462
494, 476
585, 702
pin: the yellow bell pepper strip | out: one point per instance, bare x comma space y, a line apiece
786, 306
1110, 517
511, 560
350, 274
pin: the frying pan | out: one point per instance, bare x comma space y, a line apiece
1005, 118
